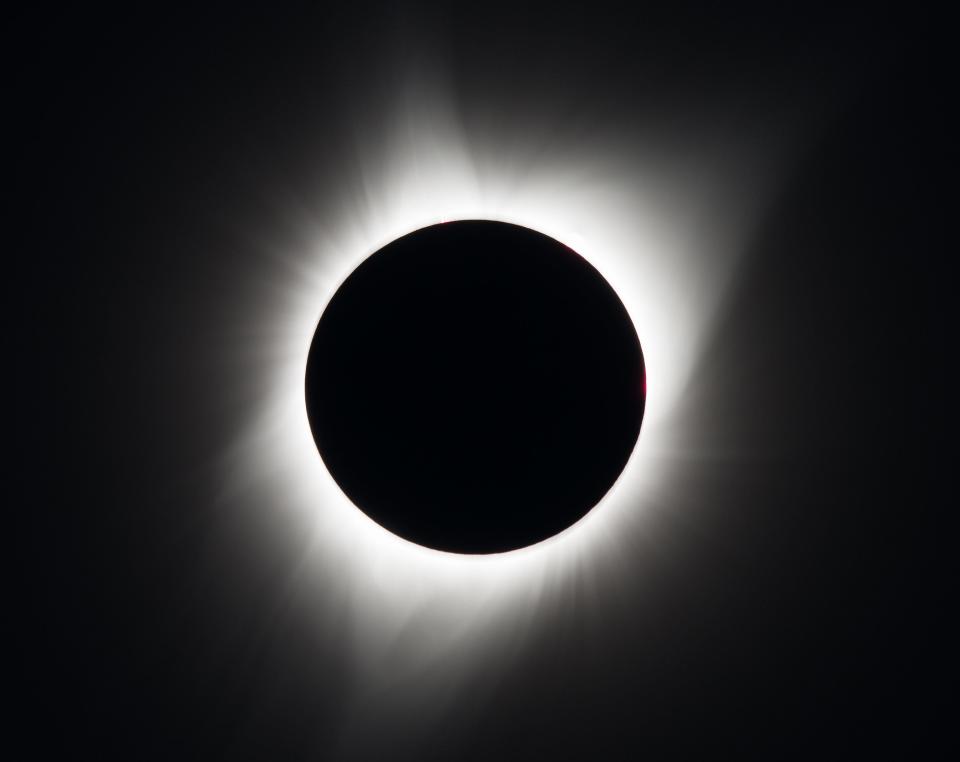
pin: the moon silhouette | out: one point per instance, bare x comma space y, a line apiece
475, 387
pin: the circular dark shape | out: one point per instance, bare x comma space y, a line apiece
475, 387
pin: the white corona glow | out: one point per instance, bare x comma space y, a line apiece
665, 237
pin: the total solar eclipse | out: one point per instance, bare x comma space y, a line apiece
475, 387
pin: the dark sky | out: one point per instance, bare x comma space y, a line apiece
795, 602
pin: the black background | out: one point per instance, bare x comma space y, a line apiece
799, 608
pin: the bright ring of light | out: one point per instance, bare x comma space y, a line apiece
653, 251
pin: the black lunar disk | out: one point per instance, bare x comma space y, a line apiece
475, 387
